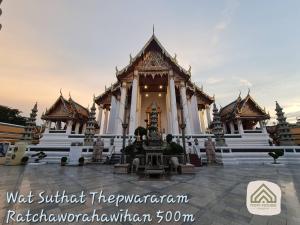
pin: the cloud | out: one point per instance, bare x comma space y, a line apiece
227, 14
213, 80
245, 82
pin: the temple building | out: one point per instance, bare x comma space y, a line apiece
243, 116
66, 116
153, 75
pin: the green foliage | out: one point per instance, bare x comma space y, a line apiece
63, 159
81, 161
9, 115
173, 149
169, 138
141, 131
276, 154
24, 159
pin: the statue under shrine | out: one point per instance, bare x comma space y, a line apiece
97, 150
210, 151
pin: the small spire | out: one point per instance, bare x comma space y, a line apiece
175, 57
214, 97
130, 58
117, 71
190, 69
240, 94
60, 92
248, 91
153, 29
70, 95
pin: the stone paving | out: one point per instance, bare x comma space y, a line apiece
217, 194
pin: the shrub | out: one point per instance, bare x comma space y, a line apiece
173, 149
169, 138
81, 161
24, 160
63, 160
141, 131
276, 154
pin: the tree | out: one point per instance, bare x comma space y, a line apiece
9, 115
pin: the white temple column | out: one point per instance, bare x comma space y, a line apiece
99, 118
195, 114
231, 127
121, 109
263, 127
208, 116
191, 116
240, 126
116, 116
202, 121
111, 120
47, 127
77, 126
186, 117
168, 112
69, 127
132, 120
105, 121
174, 120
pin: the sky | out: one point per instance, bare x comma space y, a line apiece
74, 45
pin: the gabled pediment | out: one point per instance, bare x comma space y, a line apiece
249, 108
153, 57
60, 107
243, 108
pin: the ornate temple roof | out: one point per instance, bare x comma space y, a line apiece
245, 108
152, 60
153, 43
193, 88
64, 110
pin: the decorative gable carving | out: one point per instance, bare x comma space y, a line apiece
153, 61
249, 109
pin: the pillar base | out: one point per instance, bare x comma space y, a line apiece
187, 168
121, 168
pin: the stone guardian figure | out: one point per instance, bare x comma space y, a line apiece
98, 149
210, 151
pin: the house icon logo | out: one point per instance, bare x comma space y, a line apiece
263, 198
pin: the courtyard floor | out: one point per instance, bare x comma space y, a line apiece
217, 194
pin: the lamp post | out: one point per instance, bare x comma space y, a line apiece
124, 125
